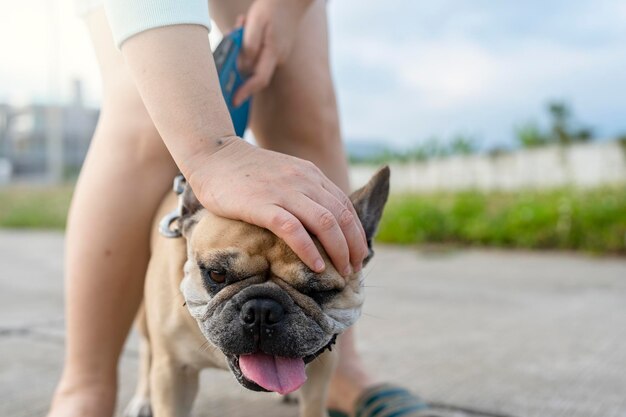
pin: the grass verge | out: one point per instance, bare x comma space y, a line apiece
572, 219
590, 220
35, 207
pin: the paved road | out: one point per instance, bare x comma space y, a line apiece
525, 334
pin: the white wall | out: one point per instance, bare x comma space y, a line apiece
585, 165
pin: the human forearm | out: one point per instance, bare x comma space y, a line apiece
176, 77
175, 74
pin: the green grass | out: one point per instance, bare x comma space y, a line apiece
588, 220
570, 219
35, 207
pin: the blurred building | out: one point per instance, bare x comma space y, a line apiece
45, 141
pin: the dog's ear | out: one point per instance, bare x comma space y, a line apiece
189, 206
369, 202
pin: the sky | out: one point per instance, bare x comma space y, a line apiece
405, 70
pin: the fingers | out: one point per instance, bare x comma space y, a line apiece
345, 200
287, 227
330, 220
293, 198
324, 219
252, 41
350, 224
239, 21
261, 77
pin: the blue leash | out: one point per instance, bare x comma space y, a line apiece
231, 79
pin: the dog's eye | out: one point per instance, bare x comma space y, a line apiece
321, 297
217, 276
213, 277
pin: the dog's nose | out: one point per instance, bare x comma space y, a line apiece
261, 311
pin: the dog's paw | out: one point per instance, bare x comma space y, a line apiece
138, 407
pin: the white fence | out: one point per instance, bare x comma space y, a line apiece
584, 165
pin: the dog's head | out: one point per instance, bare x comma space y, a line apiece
256, 301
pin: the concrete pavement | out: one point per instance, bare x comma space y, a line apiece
518, 333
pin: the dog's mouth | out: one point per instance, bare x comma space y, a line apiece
260, 371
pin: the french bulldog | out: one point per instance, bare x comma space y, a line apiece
266, 316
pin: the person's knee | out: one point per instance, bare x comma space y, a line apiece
317, 127
126, 130
134, 142
307, 119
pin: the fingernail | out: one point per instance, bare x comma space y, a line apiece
319, 265
347, 271
357, 268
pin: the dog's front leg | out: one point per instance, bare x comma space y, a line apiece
314, 393
173, 387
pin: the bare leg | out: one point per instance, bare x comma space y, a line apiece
298, 115
174, 387
314, 393
140, 405
125, 175
127, 172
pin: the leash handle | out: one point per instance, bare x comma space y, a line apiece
225, 57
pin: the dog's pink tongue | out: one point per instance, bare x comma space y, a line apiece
274, 373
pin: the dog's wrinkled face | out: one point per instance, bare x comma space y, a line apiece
256, 301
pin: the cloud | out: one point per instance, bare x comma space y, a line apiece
405, 70
481, 70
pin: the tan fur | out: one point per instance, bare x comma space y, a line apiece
171, 357
174, 348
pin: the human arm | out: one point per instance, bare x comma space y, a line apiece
175, 75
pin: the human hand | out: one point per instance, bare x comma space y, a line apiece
270, 30
284, 194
